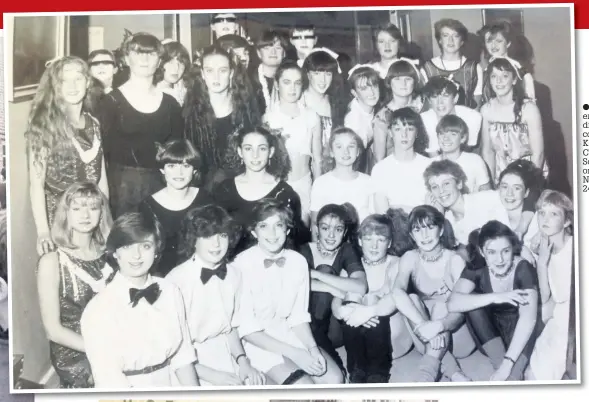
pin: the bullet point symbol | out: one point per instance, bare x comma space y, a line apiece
585, 107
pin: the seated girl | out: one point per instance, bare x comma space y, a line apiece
210, 287
342, 181
274, 309
433, 269
328, 257
180, 165
372, 337
506, 286
135, 330
555, 257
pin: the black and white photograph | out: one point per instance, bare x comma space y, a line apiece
261, 199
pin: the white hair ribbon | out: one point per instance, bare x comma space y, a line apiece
167, 40
357, 66
329, 52
453, 81
414, 64
514, 63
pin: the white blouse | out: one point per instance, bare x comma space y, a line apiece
119, 338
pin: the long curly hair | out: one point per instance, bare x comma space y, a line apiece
321, 61
48, 123
198, 112
278, 165
519, 93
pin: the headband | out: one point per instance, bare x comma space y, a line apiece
515, 64
357, 66
414, 64
329, 52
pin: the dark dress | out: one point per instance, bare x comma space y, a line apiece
130, 139
504, 317
63, 172
72, 366
348, 259
171, 223
466, 76
227, 196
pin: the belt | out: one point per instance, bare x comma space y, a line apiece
148, 369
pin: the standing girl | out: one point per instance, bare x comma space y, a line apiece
69, 277
398, 179
403, 83
274, 317
219, 102
64, 142
135, 330
170, 76
506, 287
135, 117
299, 127
512, 125
499, 38
342, 182
179, 164
364, 83
433, 268
451, 36
555, 258
325, 93
262, 165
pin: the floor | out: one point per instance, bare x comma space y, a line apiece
5, 364
477, 366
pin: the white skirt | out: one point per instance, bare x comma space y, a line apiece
216, 354
264, 360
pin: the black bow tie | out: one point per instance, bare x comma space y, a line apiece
206, 274
268, 262
150, 293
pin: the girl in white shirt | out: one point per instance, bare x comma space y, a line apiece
365, 88
274, 310
343, 182
135, 330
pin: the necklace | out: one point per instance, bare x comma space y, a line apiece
326, 253
374, 263
503, 275
431, 258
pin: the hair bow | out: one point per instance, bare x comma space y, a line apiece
329, 52
167, 40
357, 66
514, 63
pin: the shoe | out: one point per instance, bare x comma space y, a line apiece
357, 377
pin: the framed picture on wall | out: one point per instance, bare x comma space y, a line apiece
515, 16
32, 41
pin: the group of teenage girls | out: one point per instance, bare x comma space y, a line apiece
236, 219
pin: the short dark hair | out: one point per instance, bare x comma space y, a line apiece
454, 123
204, 222
131, 228
178, 151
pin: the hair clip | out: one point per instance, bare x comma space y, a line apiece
357, 66
329, 52
53, 60
514, 63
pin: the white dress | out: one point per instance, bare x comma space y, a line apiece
548, 360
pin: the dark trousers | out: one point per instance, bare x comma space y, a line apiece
369, 352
